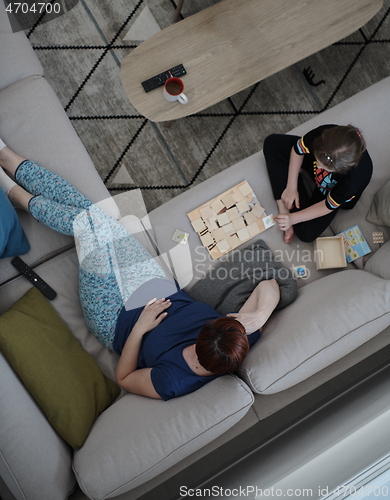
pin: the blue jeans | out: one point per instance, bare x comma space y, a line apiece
113, 264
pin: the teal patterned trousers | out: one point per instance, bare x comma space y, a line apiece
113, 264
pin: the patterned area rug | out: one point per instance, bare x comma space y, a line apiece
81, 53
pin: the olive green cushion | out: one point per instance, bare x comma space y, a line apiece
379, 212
64, 380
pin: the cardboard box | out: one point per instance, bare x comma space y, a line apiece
329, 252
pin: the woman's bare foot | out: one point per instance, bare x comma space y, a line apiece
288, 234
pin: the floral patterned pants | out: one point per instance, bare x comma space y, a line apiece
113, 264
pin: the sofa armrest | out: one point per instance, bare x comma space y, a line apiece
35, 463
17, 58
330, 318
138, 438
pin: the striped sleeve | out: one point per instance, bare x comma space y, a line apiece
300, 147
333, 202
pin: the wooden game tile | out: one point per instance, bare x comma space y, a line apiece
234, 241
238, 223
195, 214
243, 234
198, 225
257, 211
206, 223
249, 197
212, 224
229, 229
228, 201
217, 206
219, 234
215, 253
223, 246
237, 195
253, 229
207, 213
242, 206
207, 239
223, 219
233, 213
245, 189
250, 218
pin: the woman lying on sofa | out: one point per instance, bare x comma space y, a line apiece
336, 164
168, 347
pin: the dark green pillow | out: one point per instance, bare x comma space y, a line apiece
64, 380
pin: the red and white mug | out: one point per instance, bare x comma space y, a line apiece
173, 90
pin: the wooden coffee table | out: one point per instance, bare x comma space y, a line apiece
234, 44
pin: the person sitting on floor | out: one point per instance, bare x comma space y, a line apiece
333, 159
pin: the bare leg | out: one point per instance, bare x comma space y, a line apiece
289, 233
20, 198
10, 162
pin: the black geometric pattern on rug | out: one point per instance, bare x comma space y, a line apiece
236, 111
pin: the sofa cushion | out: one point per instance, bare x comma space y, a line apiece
64, 380
142, 437
34, 124
379, 212
379, 263
13, 241
315, 331
17, 58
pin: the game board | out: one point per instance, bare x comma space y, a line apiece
230, 219
355, 244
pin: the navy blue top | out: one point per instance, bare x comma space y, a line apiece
162, 348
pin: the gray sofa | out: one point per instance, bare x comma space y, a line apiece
339, 318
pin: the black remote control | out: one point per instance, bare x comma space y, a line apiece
159, 80
38, 282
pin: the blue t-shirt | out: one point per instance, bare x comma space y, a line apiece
162, 348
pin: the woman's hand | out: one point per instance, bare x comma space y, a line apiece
284, 221
251, 321
289, 197
152, 315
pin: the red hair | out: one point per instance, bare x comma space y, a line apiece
222, 345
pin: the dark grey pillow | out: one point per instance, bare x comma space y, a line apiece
227, 290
